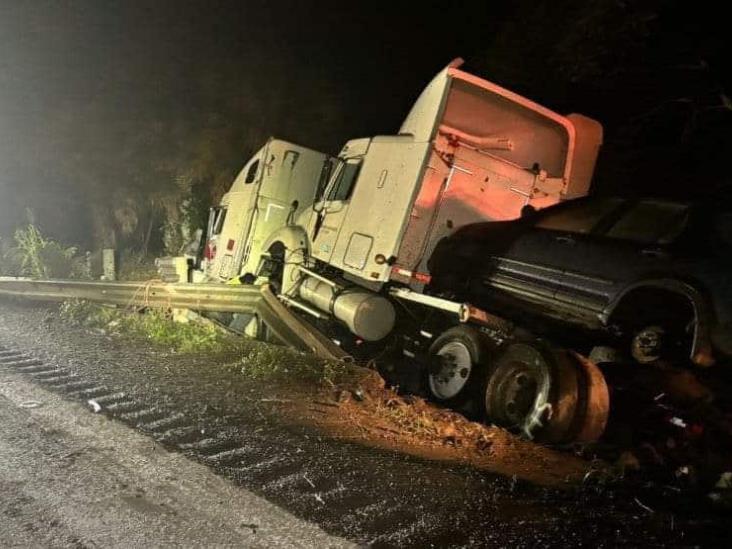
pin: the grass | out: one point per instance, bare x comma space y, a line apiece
153, 325
267, 361
257, 360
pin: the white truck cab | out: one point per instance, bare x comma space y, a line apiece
333, 232
276, 187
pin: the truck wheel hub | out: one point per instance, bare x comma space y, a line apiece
450, 370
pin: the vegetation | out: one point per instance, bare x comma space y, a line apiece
266, 361
131, 165
154, 325
258, 360
33, 255
134, 265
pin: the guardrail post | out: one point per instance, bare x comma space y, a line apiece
109, 267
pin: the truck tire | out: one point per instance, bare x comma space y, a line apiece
518, 393
456, 368
548, 394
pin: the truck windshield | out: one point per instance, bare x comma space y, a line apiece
344, 180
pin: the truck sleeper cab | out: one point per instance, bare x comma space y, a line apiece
469, 151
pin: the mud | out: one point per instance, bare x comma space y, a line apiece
205, 409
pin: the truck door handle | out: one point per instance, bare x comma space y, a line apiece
565, 240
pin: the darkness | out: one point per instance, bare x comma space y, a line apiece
110, 112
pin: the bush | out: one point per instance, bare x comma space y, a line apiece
10, 259
35, 256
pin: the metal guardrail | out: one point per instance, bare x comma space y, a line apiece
198, 297
285, 325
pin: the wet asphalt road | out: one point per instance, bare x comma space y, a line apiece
201, 407
69, 478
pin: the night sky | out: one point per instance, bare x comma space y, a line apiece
102, 98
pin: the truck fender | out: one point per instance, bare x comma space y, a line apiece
702, 353
295, 240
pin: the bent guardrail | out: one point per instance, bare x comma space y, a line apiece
198, 297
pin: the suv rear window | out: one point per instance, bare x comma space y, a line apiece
579, 217
650, 221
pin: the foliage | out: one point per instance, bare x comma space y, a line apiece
33, 255
85, 313
154, 325
266, 361
9, 258
259, 361
651, 71
135, 265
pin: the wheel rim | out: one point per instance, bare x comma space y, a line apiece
647, 344
452, 367
518, 391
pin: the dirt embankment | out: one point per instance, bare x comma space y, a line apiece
360, 408
344, 400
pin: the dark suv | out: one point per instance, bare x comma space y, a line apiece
626, 268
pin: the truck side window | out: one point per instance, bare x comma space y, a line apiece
252, 172
218, 223
580, 217
651, 222
343, 186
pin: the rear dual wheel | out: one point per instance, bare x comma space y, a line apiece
549, 394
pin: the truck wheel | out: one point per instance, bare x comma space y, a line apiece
547, 393
518, 392
455, 365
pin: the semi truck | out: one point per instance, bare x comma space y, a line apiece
345, 241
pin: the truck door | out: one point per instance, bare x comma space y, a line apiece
333, 208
